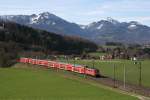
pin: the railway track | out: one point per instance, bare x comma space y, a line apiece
107, 81
142, 93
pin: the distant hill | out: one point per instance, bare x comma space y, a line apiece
102, 31
38, 40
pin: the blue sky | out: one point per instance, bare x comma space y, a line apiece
82, 11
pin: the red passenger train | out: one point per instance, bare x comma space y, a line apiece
63, 66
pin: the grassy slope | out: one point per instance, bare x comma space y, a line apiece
31, 84
132, 70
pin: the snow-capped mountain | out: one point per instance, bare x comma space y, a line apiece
47, 21
100, 32
113, 30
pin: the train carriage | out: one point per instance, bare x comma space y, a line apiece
69, 67
50, 64
41, 62
92, 71
64, 66
30, 60
79, 69
33, 61
56, 65
23, 60
45, 63
53, 64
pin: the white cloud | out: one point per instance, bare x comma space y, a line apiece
122, 10
141, 19
127, 5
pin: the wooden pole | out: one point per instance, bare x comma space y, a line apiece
114, 76
124, 76
93, 63
140, 72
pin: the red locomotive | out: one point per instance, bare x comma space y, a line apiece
63, 66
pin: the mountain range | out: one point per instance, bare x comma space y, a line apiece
102, 31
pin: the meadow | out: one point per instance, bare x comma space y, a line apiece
25, 83
132, 71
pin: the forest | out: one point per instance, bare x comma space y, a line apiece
16, 38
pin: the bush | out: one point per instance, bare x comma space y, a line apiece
8, 52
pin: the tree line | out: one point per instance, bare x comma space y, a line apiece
16, 38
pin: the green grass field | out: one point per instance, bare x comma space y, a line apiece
39, 84
132, 71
